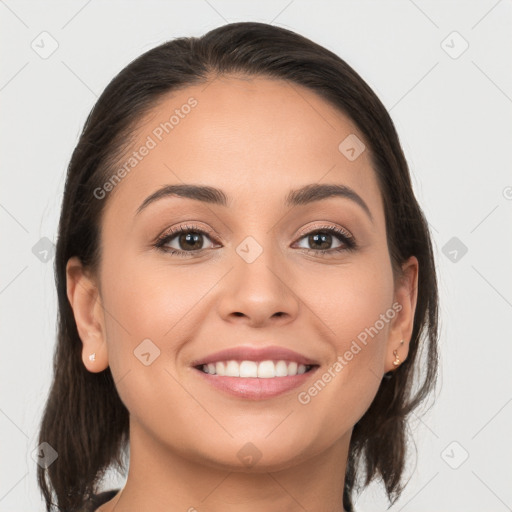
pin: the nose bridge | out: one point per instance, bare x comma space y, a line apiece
258, 287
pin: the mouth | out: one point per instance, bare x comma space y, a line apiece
268, 369
243, 359
255, 373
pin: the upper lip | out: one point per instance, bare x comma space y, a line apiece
249, 353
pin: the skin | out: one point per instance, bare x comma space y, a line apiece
255, 139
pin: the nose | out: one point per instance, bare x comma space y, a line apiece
258, 293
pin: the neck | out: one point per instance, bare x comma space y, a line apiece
161, 478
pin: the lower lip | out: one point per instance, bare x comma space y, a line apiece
253, 388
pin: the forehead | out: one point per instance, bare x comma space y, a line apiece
253, 137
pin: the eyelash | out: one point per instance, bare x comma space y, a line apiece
342, 235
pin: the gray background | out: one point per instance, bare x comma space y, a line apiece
452, 111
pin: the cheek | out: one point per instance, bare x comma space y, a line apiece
353, 306
350, 300
150, 299
149, 314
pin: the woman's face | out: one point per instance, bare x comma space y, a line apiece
256, 279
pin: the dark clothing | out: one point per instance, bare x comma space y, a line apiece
99, 499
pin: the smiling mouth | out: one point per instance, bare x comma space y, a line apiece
268, 369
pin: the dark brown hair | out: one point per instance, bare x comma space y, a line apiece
84, 420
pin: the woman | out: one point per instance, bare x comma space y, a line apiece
245, 280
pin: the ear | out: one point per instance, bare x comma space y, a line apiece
84, 297
405, 297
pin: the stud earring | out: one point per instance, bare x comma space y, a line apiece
92, 357
396, 362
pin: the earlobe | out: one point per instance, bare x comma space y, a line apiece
84, 298
94, 353
397, 361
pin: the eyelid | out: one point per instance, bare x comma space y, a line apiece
196, 227
187, 226
308, 229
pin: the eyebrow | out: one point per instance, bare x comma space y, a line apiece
302, 196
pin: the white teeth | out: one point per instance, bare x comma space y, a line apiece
248, 369
266, 370
232, 369
219, 369
263, 369
281, 369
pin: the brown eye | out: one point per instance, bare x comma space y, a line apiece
320, 241
183, 240
190, 241
330, 239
